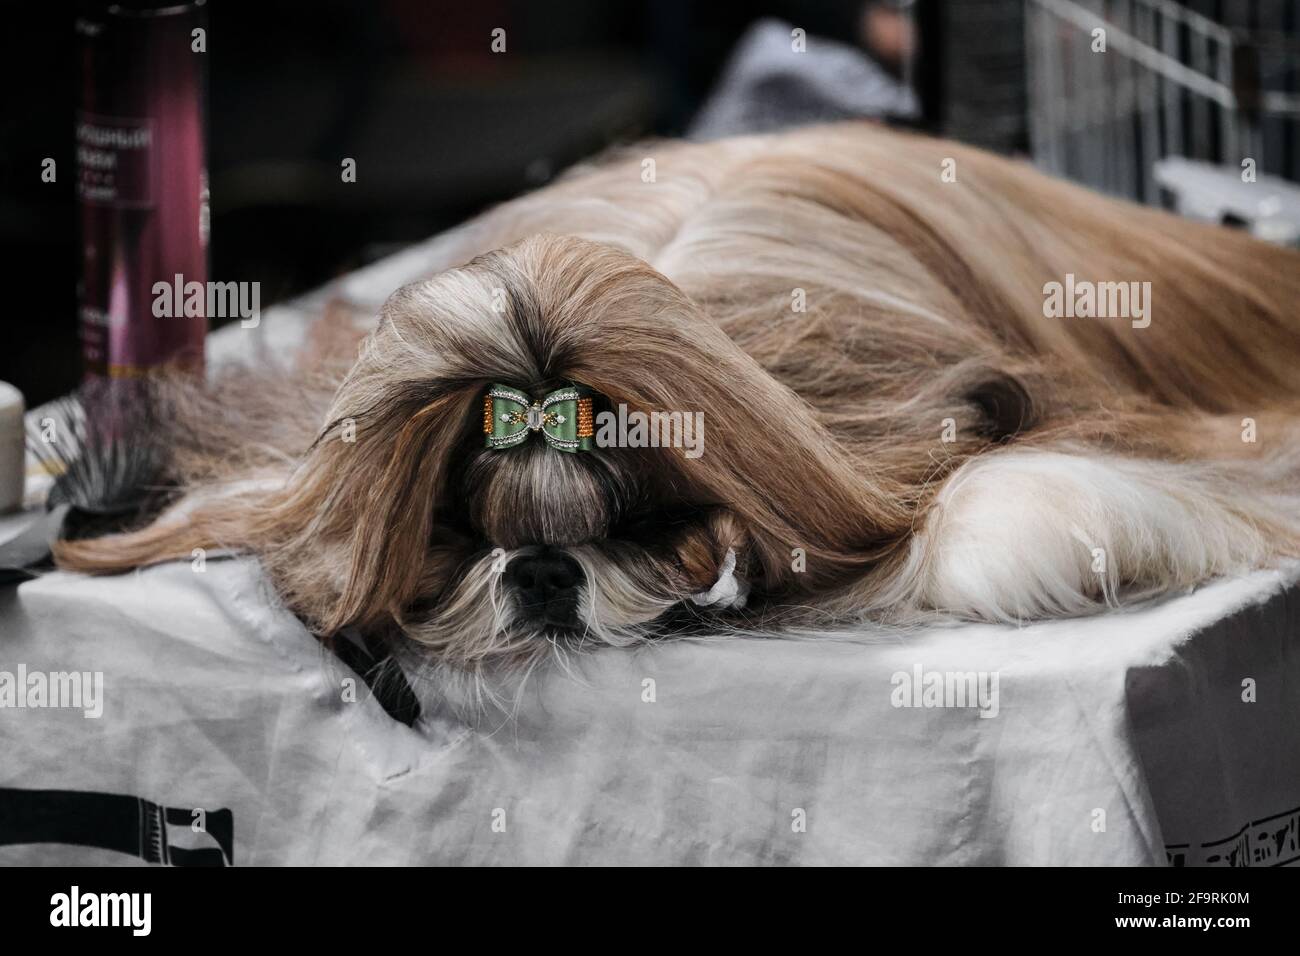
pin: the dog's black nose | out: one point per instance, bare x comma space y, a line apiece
546, 583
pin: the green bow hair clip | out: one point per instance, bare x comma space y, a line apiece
564, 418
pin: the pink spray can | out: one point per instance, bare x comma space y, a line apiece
141, 183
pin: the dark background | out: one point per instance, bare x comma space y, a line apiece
440, 128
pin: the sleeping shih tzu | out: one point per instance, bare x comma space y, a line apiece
862, 395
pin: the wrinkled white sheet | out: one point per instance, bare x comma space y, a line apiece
1122, 739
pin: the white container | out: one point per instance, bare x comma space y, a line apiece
13, 461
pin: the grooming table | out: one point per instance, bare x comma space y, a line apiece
1165, 734
1121, 739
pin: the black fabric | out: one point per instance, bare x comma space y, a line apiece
368, 656
112, 821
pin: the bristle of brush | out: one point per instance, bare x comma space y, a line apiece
102, 445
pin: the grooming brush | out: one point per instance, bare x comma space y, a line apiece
102, 446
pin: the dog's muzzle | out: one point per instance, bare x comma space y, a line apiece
545, 583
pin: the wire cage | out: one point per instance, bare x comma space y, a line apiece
1123, 93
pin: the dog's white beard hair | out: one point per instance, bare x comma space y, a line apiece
479, 627
613, 609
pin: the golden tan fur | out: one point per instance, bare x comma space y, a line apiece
825, 427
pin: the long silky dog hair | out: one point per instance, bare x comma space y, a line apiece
895, 429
